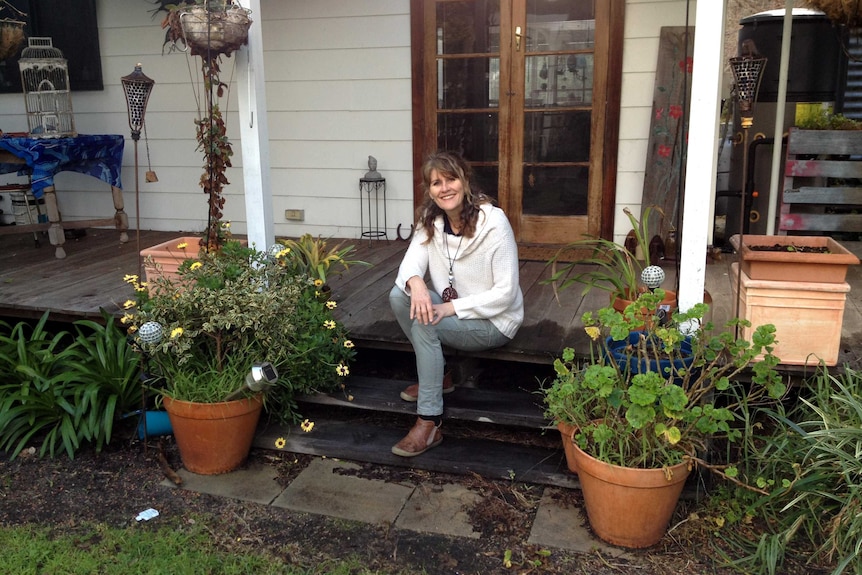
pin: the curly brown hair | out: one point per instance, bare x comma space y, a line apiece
451, 164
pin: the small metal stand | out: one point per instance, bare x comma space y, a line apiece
372, 229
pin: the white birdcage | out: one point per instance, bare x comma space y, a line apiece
45, 79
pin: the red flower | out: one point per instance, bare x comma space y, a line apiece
659, 113
687, 64
675, 111
664, 151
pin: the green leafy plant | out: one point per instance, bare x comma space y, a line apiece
610, 266
827, 120
230, 309
64, 390
650, 395
317, 259
808, 453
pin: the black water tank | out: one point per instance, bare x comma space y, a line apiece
817, 61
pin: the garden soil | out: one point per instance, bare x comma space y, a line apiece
114, 486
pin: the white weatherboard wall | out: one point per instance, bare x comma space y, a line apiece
338, 90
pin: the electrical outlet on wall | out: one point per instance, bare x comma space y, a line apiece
294, 215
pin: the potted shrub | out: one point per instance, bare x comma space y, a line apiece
202, 333
640, 430
615, 268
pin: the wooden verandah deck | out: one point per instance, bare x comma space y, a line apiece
501, 418
32, 281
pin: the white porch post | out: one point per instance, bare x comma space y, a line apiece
701, 164
255, 135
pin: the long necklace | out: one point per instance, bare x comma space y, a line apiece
449, 293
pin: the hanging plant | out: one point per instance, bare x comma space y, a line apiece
847, 12
209, 29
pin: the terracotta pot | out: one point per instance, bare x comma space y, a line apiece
164, 259
214, 438
793, 266
668, 304
567, 430
626, 506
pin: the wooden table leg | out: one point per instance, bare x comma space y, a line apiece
55, 232
121, 219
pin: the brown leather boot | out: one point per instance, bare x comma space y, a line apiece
411, 393
423, 436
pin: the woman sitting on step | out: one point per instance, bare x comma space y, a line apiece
474, 299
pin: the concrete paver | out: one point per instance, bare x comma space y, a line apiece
440, 509
319, 489
428, 508
558, 526
256, 483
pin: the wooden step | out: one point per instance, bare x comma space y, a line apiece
513, 407
369, 443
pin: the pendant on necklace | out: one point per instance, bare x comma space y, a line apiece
449, 294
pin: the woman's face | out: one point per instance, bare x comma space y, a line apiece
447, 191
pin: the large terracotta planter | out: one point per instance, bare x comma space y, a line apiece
214, 438
164, 259
790, 265
626, 506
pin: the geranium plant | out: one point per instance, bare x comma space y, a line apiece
229, 309
650, 395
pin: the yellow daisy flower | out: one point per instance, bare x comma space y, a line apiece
329, 324
176, 332
331, 304
282, 254
318, 282
182, 245
348, 344
127, 318
342, 370
307, 426
593, 332
280, 443
130, 278
132, 329
195, 265
128, 304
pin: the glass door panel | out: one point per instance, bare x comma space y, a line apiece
510, 84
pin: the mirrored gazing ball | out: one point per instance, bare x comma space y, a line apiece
652, 276
151, 333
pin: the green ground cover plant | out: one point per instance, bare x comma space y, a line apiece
807, 455
187, 549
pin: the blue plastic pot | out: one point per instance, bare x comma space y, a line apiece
157, 423
631, 363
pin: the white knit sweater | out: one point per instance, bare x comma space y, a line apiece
485, 269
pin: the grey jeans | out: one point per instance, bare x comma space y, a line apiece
427, 341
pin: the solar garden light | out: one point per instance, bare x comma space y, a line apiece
260, 378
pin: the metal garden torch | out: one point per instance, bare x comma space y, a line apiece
747, 71
137, 87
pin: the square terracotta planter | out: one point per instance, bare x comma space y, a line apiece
793, 266
807, 316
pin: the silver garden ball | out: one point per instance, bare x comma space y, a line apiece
652, 276
151, 333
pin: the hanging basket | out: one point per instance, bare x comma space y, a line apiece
11, 37
840, 11
209, 30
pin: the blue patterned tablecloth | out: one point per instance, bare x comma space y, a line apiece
100, 156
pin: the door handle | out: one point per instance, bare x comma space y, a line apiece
518, 38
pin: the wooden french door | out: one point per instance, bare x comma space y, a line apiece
528, 92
